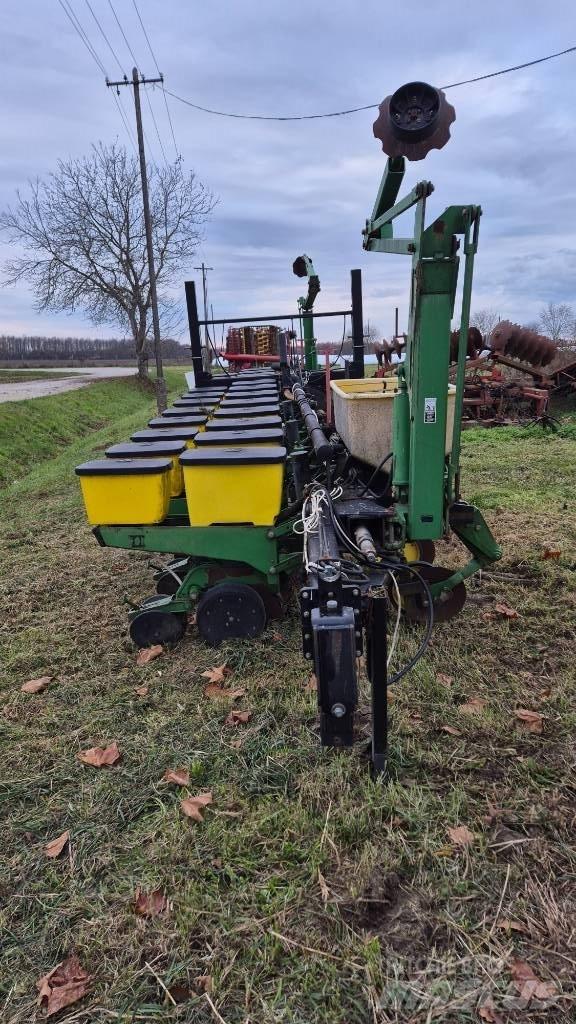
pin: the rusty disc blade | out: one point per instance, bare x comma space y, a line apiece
446, 605
414, 120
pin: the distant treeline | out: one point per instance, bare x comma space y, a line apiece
80, 349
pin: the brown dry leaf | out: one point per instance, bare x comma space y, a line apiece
311, 685
488, 1013
450, 730
180, 993
493, 813
510, 926
204, 983
63, 985
216, 674
99, 757
148, 654
528, 984
236, 743
551, 553
150, 904
55, 846
192, 806
443, 851
141, 691
530, 721
179, 776
473, 706
444, 679
460, 835
221, 693
506, 611
324, 890
36, 685
238, 717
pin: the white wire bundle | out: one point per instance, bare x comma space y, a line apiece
310, 518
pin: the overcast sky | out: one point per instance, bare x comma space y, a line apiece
286, 188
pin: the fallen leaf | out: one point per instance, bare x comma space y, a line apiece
324, 890
506, 611
55, 846
551, 553
98, 757
488, 1013
528, 984
204, 983
141, 691
311, 685
216, 674
221, 693
473, 706
444, 679
450, 730
530, 721
238, 717
36, 685
443, 851
460, 835
62, 986
510, 926
180, 993
148, 654
493, 813
179, 776
192, 805
150, 904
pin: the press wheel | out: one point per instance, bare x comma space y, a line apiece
446, 605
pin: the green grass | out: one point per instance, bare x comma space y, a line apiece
16, 376
37, 430
309, 893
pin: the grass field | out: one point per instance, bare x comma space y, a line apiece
16, 376
309, 894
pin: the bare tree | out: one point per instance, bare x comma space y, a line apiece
557, 321
485, 320
82, 230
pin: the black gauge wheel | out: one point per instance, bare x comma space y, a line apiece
157, 627
230, 611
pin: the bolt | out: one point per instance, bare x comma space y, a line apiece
272, 570
332, 606
305, 595
358, 633
193, 595
270, 534
306, 636
306, 614
355, 593
338, 710
308, 655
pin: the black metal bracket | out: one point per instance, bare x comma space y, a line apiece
332, 640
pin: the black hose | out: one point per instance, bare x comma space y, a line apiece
377, 470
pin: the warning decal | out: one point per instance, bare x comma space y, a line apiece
429, 410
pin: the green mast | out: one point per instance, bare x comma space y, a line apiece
303, 267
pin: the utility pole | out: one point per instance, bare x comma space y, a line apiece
205, 270
136, 82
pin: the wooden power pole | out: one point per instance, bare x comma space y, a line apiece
205, 270
136, 82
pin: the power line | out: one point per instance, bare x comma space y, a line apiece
105, 37
81, 32
152, 54
83, 36
155, 125
368, 106
131, 51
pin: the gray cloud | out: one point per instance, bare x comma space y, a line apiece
308, 186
